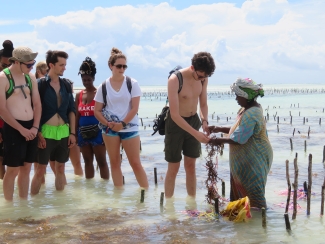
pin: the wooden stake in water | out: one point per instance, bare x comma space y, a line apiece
286, 219
142, 196
223, 188
155, 173
277, 128
278, 119
289, 186
322, 201
263, 217
123, 180
324, 154
308, 131
294, 130
295, 189
141, 122
310, 161
216, 206
305, 145
290, 120
291, 144
162, 198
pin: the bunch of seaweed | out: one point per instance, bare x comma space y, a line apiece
211, 167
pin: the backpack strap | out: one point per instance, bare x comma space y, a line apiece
180, 80
104, 91
42, 87
29, 83
67, 85
11, 83
129, 83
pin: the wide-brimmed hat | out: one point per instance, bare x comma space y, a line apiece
23, 54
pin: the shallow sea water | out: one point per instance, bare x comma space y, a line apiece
92, 211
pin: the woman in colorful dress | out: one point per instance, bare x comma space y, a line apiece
90, 138
250, 151
117, 114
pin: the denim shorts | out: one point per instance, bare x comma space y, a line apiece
122, 135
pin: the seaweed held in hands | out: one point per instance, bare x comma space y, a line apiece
212, 178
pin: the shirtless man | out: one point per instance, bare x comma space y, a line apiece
57, 127
20, 108
183, 122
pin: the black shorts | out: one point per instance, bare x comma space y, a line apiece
16, 150
178, 140
1, 145
56, 150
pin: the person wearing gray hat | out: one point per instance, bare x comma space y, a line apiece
20, 108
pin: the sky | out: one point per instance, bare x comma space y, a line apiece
270, 41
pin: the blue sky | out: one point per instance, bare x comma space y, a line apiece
271, 41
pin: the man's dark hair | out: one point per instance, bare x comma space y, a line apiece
88, 67
52, 57
203, 61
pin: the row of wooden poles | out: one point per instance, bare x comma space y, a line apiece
271, 91
307, 190
162, 195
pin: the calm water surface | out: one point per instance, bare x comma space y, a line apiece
92, 211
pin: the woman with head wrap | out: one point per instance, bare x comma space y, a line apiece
250, 151
90, 138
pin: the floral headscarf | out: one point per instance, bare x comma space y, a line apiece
247, 88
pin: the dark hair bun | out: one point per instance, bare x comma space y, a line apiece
8, 47
88, 67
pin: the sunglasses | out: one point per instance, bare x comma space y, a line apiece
119, 66
200, 76
29, 65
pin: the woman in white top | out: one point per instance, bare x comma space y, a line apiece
119, 120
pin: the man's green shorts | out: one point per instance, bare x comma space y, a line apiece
178, 140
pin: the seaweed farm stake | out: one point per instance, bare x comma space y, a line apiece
223, 188
289, 186
322, 201
155, 173
295, 188
286, 219
310, 161
263, 218
216, 206
305, 145
291, 144
162, 198
142, 196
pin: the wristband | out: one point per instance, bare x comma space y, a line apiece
35, 127
72, 134
205, 121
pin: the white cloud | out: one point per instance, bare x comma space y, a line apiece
262, 36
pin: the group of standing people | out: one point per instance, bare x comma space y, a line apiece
43, 122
